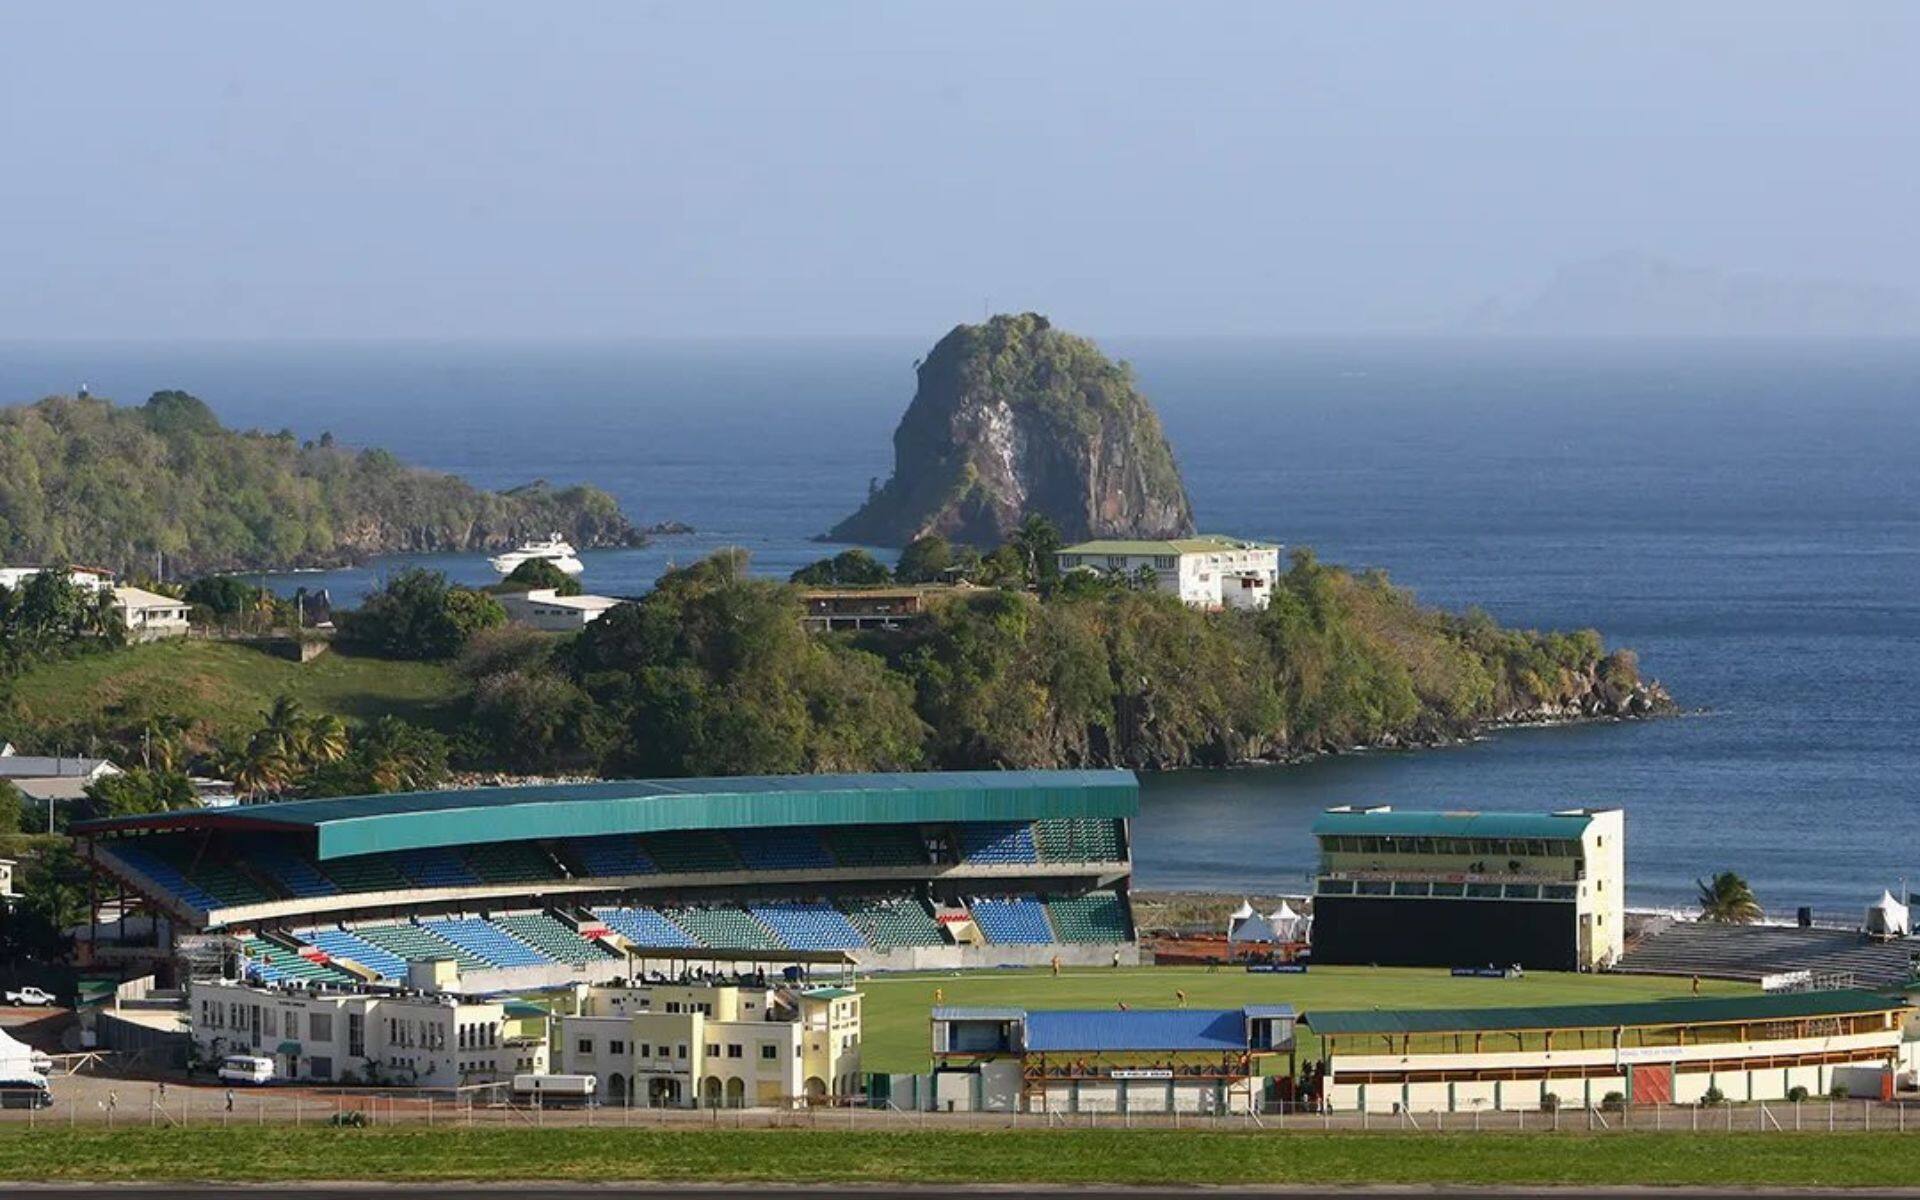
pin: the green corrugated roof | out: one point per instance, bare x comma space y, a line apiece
1382, 823
412, 820
1204, 544
1777, 1006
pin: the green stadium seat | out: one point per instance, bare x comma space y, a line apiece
1094, 917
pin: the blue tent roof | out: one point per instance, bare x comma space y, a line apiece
1150, 1029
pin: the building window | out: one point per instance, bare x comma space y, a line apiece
769, 1051
356, 1035
1483, 891
320, 1027
1336, 887
644, 1051
1375, 887
713, 1049
733, 1050
681, 1050
616, 1047
586, 1045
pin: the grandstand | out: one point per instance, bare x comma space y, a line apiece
1755, 952
543, 885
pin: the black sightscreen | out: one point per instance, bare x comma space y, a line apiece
1363, 930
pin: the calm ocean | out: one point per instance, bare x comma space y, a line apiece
1747, 516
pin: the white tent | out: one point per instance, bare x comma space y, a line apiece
1246, 925
16, 1058
1887, 917
1285, 922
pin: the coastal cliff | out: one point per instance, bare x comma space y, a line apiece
1014, 417
83, 480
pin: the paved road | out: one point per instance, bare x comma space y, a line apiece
762, 1191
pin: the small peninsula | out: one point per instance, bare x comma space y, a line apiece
83, 480
1013, 418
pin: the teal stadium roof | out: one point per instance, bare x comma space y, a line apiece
1383, 822
1772, 1006
348, 825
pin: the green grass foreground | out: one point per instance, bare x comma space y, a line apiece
1060, 1156
894, 1017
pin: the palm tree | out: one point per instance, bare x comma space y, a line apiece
323, 739
1727, 900
264, 769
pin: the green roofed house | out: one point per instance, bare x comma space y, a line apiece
514, 887
1470, 889
1210, 571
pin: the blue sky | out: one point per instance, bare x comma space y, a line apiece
635, 170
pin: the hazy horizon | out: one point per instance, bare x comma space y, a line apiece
450, 173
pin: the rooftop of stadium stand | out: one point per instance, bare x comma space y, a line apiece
1719, 1010
1108, 1030
350, 825
1385, 821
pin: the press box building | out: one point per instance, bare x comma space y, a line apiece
1468, 889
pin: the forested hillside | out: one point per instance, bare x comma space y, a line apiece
712, 674
82, 480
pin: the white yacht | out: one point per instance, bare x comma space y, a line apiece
554, 549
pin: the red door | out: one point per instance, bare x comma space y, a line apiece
1651, 1084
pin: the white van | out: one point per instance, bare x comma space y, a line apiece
246, 1068
555, 1090
25, 1091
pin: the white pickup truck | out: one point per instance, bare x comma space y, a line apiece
31, 996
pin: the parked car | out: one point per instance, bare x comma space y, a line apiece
32, 996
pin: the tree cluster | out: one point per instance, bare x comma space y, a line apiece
82, 480
712, 673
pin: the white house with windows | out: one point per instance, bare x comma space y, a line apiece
1209, 571
149, 616
714, 1045
328, 1035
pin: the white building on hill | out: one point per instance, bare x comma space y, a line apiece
1209, 571
547, 609
149, 616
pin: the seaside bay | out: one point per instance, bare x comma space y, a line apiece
1761, 553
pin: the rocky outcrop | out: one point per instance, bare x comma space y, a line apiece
1015, 417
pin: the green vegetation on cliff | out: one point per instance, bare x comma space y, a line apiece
1013, 418
711, 673
82, 480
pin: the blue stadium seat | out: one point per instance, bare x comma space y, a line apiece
437, 866
620, 854
487, 940
790, 849
342, 944
990, 842
165, 874
1012, 920
808, 925
644, 926
295, 874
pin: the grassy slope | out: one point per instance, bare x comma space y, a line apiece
224, 685
1076, 1156
894, 1022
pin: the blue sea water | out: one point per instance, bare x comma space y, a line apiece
1746, 515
